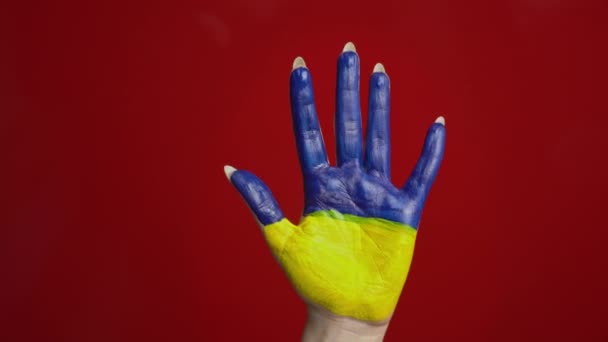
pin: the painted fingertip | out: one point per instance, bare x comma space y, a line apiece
379, 68
349, 47
298, 63
440, 120
229, 170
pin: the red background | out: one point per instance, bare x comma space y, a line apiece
116, 120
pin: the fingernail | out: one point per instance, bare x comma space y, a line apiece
349, 47
298, 63
440, 120
229, 170
379, 68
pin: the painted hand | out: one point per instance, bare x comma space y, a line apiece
351, 252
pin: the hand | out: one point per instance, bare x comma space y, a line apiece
352, 250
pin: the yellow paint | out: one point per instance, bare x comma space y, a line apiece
353, 266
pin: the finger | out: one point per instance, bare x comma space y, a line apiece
309, 140
419, 183
377, 141
348, 107
256, 194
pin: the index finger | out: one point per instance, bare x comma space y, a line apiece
309, 140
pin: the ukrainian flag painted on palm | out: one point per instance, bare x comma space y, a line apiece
352, 250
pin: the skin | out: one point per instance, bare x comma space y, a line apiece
349, 256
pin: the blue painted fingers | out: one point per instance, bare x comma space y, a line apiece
377, 142
360, 185
309, 141
348, 108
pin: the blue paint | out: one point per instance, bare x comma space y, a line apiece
309, 141
377, 142
419, 183
258, 197
348, 109
351, 188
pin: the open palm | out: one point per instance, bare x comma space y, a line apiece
352, 250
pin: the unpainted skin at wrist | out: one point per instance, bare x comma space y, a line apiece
322, 325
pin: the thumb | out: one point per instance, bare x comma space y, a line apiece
257, 195
276, 227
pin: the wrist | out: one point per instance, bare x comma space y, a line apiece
322, 325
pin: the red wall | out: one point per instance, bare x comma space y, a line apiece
116, 119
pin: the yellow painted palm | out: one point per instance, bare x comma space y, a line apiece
352, 250
350, 265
